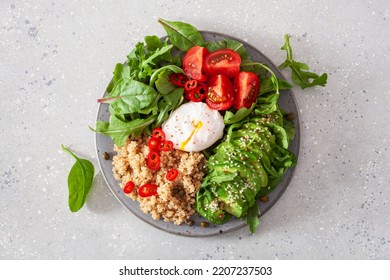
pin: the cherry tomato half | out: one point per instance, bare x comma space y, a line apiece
178, 79
190, 85
147, 190
158, 133
226, 62
165, 146
153, 143
246, 88
129, 187
172, 174
153, 160
198, 94
220, 92
193, 62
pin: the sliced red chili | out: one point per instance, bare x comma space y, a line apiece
153, 160
129, 187
172, 174
178, 79
198, 94
166, 146
158, 133
190, 85
147, 190
153, 144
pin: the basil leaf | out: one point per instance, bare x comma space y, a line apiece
299, 71
182, 35
120, 130
129, 96
241, 114
252, 218
79, 181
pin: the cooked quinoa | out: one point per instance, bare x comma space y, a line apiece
175, 200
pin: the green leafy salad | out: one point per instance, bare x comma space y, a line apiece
250, 157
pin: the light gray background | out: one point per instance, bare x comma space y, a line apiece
56, 58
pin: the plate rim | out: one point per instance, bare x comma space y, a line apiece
277, 197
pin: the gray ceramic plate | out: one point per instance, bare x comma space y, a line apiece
105, 144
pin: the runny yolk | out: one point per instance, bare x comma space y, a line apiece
197, 126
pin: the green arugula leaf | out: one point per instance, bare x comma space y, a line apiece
169, 102
182, 35
241, 114
268, 86
299, 71
79, 181
155, 75
252, 218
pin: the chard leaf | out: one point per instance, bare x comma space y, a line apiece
300, 73
79, 181
168, 103
182, 35
129, 96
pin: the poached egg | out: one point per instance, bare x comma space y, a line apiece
193, 127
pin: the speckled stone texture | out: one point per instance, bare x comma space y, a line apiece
56, 58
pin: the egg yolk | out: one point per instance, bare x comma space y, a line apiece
197, 126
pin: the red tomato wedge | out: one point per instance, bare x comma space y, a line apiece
246, 88
220, 92
226, 62
147, 190
193, 63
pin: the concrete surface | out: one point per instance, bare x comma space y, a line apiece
56, 58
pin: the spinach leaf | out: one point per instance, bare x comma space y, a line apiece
120, 130
79, 181
182, 35
299, 71
153, 43
129, 96
120, 71
252, 218
237, 47
213, 46
241, 114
